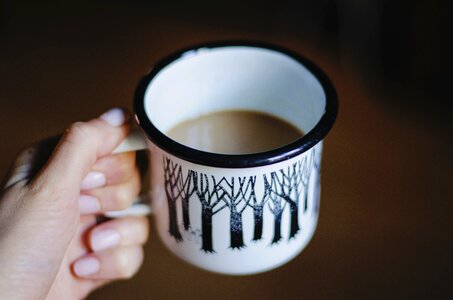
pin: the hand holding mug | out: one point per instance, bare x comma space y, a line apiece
226, 213
50, 243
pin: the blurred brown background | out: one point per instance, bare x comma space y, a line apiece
385, 223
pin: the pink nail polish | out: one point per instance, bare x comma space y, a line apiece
93, 180
87, 266
89, 204
104, 239
115, 117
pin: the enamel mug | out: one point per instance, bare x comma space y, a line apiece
234, 214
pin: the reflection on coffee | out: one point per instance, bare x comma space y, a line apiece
235, 132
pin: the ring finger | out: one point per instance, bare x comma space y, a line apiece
115, 263
126, 231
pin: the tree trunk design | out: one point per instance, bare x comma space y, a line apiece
207, 192
294, 225
306, 199
236, 238
185, 212
172, 173
277, 228
258, 216
173, 220
206, 230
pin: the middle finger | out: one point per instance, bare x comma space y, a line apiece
114, 197
110, 170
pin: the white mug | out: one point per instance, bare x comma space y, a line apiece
234, 214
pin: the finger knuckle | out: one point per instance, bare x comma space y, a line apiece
78, 132
126, 166
124, 268
138, 229
145, 227
121, 264
123, 198
144, 221
128, 160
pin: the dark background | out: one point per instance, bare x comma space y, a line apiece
385, 224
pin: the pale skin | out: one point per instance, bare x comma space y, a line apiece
51, 246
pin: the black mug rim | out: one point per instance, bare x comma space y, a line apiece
299, 146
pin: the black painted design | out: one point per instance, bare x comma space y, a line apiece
257, 204
172, 173
187, 187
282, 189
236, 195
276, 206
207, 192
287, 185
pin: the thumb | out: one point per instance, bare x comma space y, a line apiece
79, 148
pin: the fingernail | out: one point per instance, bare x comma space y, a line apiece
115, 117
104, 239
89, 204
87, 266
93, 180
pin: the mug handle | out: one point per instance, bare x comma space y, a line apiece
135, 141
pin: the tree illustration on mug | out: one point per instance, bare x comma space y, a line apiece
258, 205
284, 188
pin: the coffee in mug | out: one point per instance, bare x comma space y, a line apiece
235, 132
